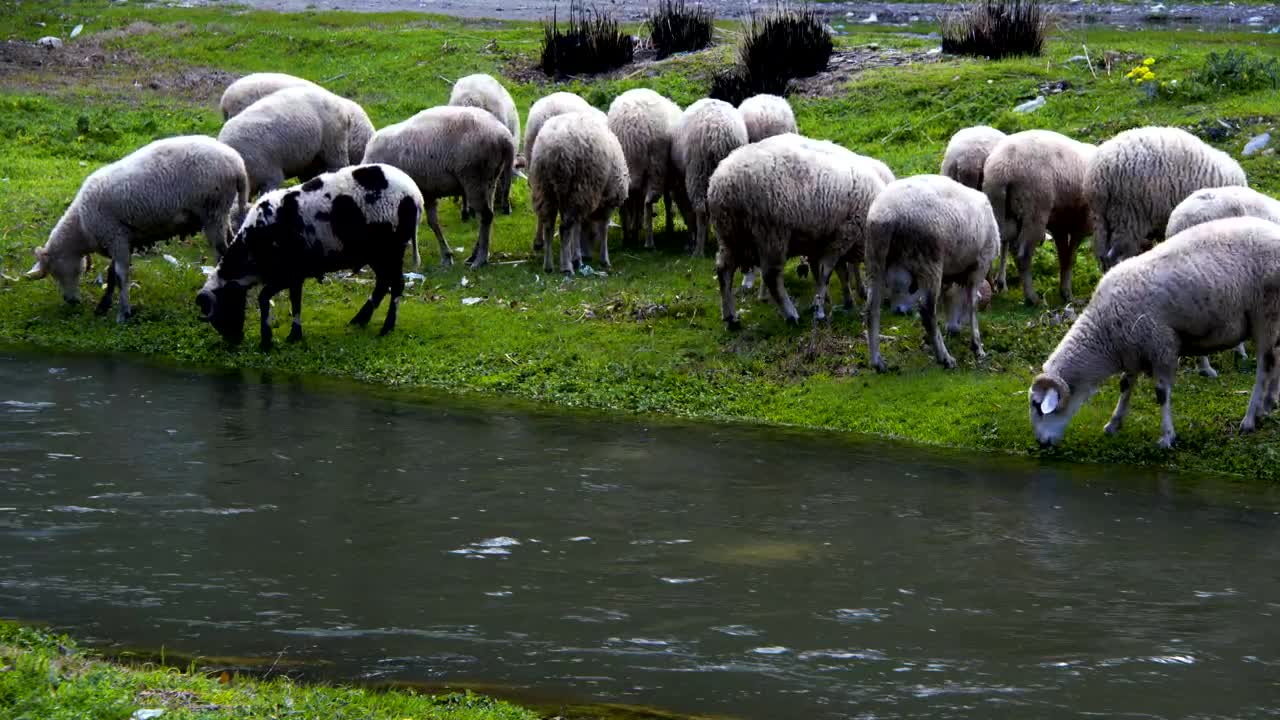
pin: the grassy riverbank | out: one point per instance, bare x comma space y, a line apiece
647, 337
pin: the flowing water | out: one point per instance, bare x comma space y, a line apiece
754, 573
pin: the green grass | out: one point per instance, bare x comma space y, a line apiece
47, 677
647, 338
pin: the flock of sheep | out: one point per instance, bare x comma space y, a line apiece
768, 193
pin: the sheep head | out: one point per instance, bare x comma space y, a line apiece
1052, 407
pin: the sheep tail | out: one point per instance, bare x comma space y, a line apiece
242, 195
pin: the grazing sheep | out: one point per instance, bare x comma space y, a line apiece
1206, 289
484, 92
1035, 181
251, 88
578, 171
358, 216
1138, 177
175, 186
780, 198
967, 153
450, 151
293, 132
766, 116
543, 110
922, 232
708, 131
643, 121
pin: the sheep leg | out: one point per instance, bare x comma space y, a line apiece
120, 268
380, 284
1066, 245
749, 279
1002, 282
1266, 373
547, 239
822, 280
1127, 381
668, 209
846, 288
929, 316
570, 232
217, 232
1206, 369
602, 241
1273, 394
646, 221
701, 229
395, 283
433, 221
502, 195
1164, 396
871, 315
1031, 236
480, 255
464, 209
970, 303
107, 297
772, 266
264, 313
295, 304
537, 236
724, 273
1241, 352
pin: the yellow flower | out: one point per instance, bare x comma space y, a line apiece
1149, 62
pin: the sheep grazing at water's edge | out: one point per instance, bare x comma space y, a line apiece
1206, 289
967, 152
643, 122
578, 172
1035, 182
540, 112
450, 151
1136, 179
922, 232
782, 198
484, 92
358, 216
708, 131
175, 186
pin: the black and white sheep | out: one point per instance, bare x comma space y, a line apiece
644, 122
294, 132
484, 92
766, 116
1206, 289
450, 151
360, 215
1138, 177
781, 198
967, 153
176, 186
578, 171
1035, 181
922, 232
707, 132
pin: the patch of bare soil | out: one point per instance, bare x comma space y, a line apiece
91, 63
847, 64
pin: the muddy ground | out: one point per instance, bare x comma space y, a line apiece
1260, 17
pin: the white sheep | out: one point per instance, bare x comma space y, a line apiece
1138, 177
767, 115
644, 122
450, 151
540, 112
1035, 181
357, 216
708, 131
577, 171
922, 232
295, 132
1206, 289
967, 152
175, 186
780, 198
484, 92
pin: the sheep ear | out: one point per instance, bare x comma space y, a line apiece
1050, 402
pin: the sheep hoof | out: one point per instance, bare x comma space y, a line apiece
948, 362
1247, 426
295, 335
101, 308
1166, 442
446, 261
476, 264
125, 313
506, 210
385, 330
879, 365
1208, 372
265, 344
1112, 427
733, 324
793, 320
1032, 300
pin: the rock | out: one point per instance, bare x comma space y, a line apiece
50, 42
870, 19
1030, 105
1256, 144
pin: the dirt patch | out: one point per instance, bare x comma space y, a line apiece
847, 64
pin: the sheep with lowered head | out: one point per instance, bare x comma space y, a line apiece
767, 115
780, 198
707, 132
967, 153
484, 92
249, 89
643, 121
579, 172
293, 132
175, 186
1035, 181
543, 110
358, 216
922, 232
1205, 289
450, 151
1138, 177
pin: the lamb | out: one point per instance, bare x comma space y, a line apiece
779, 198
1035, 181
708, 131
1137, 178
579, 171
293, 132
484, 92
1216, 203
967, 153
175, 186
357, 216
251, 88
543, 110
922, 232
643, 121
766, 116
450, 151
1203, 290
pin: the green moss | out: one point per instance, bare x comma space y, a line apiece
646, 338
